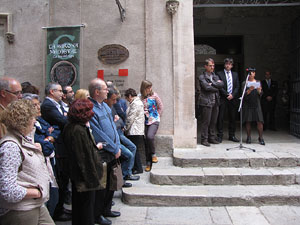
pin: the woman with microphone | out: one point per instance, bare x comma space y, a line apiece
251, 106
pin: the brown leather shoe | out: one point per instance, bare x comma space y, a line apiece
148, 168
154, 159
213, 141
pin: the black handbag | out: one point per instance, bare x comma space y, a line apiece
116, 177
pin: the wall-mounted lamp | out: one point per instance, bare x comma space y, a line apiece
172, 6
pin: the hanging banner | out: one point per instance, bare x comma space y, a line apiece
63, 56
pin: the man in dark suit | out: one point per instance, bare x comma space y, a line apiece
210, 85
53, 112
268, 100
229, 99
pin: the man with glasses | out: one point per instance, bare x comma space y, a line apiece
53, 112
10, 90
104, 131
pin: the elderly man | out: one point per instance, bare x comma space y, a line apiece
104, 131
209, 100
53, 112
10, 90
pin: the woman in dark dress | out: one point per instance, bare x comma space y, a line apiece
251, 106
85, 162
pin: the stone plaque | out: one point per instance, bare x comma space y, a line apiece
63, 73
113, 54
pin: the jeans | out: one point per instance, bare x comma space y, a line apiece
128, 150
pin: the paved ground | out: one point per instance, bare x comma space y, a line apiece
237, 215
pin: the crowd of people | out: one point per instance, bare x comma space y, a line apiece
65, 149
220, 92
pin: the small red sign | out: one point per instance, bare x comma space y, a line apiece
123, 72
100, 74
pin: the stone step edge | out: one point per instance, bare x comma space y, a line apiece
254, 162
167, 196
224, 176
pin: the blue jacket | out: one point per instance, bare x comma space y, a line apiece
104, 128
42, 132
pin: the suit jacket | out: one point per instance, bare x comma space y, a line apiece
235, 84
51, 114
209, 94
272, 91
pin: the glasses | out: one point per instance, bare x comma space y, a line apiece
57, 90
16, 93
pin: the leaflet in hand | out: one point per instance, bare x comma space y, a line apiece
254, 84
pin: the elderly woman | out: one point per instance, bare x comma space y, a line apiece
45, 135
135, 126
85, 163
24, 176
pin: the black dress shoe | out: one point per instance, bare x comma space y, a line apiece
219, 139
127, 185
67, 211
112, 214
103, 221
131, 177
261, 141
136, 172
233, 138
248, 141
205, 143
63, 217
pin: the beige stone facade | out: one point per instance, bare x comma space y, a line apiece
160, 45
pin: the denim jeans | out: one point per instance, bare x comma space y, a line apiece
128, 150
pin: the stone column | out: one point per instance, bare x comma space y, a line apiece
185, 124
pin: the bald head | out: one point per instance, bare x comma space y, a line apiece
10, 90
98, 89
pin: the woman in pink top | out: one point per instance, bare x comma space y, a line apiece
153, 109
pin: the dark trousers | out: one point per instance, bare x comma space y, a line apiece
268, 109
150, 131
208, 122
82, 207
63, 181
139, 142
103, 198
231, 107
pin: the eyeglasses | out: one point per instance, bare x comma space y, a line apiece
16, 93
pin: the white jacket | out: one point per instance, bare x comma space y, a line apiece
135, 118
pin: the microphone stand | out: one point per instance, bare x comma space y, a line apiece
241, 121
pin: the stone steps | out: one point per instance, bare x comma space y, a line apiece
172, 175
263, 157
211, 195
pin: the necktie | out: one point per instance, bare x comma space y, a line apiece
229, 82
269, 83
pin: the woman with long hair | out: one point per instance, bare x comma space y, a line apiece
153, 108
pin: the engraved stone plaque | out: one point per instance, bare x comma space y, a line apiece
113, 54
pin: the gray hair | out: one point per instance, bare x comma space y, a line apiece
209, 60
30, 96
111, 91
49, 87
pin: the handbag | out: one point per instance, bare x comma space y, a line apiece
116, 177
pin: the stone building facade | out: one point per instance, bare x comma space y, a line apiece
160, 45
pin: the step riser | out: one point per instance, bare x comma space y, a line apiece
143, 200
226, 180
237, 162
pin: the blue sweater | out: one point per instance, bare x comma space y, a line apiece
104, 128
